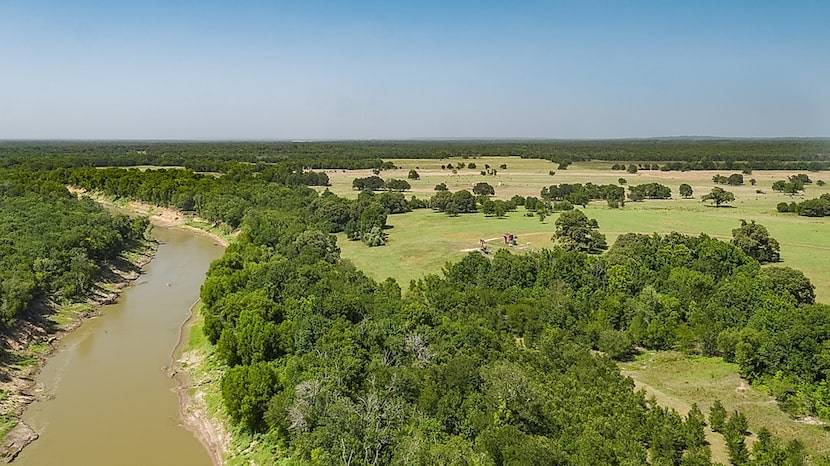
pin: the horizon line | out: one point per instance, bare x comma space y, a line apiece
415, 139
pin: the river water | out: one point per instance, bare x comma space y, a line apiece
104, 396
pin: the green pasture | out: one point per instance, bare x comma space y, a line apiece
423, 241
677, 380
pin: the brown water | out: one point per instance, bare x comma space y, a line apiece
104, 396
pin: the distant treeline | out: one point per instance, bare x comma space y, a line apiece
677, 154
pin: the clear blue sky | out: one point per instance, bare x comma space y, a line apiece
386, 69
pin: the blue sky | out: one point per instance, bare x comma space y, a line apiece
415, 69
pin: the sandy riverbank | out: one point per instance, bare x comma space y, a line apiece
160, 216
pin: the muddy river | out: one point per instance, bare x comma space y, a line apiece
104, 397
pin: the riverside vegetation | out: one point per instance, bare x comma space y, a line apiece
502, 360
55, 252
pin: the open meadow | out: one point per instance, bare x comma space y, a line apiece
677, 380
422, 241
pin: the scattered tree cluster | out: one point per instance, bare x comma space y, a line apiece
582, 194
819, 207
635, 167
376, 183
648, 191
459, 202
793, 185
735, 179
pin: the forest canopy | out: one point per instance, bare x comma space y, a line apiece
53, 243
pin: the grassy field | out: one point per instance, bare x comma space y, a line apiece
677, 380
422, 241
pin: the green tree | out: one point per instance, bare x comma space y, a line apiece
788, 280
734, 432
441, 187
574, 232
371, 183
686, 190
440, 200
413, 175
719, 196
614, 343
464, 201
717, 416
541, 211
693, 427
754, 239
483, 189
397, 185
735, 179
488, 208
246, 391
374, 237
315, 245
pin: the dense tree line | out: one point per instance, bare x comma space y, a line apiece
818, 163
198, 156
689, 154
52, 244
225, 200
342, 369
